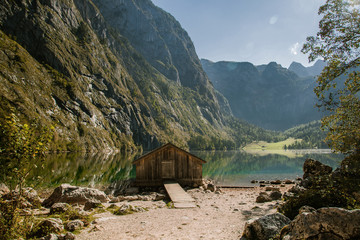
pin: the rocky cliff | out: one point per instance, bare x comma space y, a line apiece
107, 74
269, 96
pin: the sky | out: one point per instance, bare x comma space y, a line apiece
256, 31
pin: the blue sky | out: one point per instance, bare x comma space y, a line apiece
257, 31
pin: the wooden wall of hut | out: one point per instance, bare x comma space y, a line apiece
168, 162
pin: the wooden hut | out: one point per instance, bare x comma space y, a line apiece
168, 163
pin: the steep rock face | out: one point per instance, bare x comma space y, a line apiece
64, 65
269, 96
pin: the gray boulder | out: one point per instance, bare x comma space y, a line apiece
325, 223
265, 227
72, 194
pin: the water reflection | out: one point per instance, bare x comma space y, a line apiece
227, 167
84, 169
238, 168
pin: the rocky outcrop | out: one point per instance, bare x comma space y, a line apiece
264, 228
324, 223
66, 193
314, 168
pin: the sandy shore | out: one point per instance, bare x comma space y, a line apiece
217, 216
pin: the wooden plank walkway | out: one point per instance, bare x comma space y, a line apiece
178, 196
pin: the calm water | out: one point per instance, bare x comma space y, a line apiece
235, 168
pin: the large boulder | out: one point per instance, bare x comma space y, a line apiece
66, 193
314, 168
324, 223
265, 227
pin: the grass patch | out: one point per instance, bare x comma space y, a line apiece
262, 145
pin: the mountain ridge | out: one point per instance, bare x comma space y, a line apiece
268, 96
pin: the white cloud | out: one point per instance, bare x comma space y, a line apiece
273, 19
294, 49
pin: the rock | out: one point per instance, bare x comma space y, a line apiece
297, 189
72, 194
325, 223
91, 204
287, 181
314, 168
159, 197
211, 187
254, 181
49, 225
263, 197
67, 236
132, 191
32, 197
305, 209
74, 225
272, 189
275, 195
128, 209
265, 227
50, 236
59, 208
3, 189
277, 182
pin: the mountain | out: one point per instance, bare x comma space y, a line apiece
302, 71
269, 95
110, 75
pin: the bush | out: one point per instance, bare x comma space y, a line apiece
22, 147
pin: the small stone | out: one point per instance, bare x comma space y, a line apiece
59, 208
275, 195
159, 197
91, 204
74, 225
263, 197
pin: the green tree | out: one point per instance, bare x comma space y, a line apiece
22, 148
337, 42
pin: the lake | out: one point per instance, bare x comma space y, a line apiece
230, 168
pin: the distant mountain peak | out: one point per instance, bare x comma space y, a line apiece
303, 71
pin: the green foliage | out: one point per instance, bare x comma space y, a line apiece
21, 149
311, 134
338, 87
12, 225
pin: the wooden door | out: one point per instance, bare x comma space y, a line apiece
168, 169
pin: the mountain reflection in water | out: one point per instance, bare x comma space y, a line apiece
231, 168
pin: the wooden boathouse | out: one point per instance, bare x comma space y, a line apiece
168, 163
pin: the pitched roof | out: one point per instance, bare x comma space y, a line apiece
165, 146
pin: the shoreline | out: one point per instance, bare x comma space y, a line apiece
217, 216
